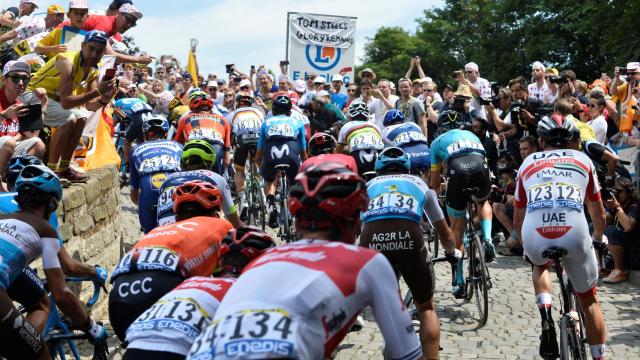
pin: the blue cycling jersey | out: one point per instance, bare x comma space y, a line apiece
131, 106
396, 197
454, 143
282, 128
151, 162
8, 205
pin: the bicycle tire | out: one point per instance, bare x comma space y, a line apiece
580, 332
261, 206
470, 266
481, 285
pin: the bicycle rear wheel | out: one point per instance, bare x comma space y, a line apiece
257, 209
569, 342
478, 271
580, 331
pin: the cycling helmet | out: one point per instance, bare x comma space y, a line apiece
198, 151
329, 196
244, 97
393, 116
449, 120
556, 130
241, 246
177, 112
39, 178
197, 191
281, 105
199, 99
358, 111
15, 166
321, 143
155, 122
393, 159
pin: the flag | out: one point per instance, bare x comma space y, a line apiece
192, 67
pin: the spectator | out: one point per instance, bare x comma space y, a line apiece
622, 231
415, 63
538, 87
481, 129
416, 88
433, 107
35, 26
352, 93
565, 108
610, 112
133, 92
365, 92
412, 109
623, 95
10, 18
338, 98
310, 77
480, 87
212, 90
13, 142
598, 123
503, 210
115, 5
52, 44
367, 74
527, 145
284, 87
73, 91
323, 113
229, 100
568, 88
553, 91
299, 87
160, 73
382, 100
318, 84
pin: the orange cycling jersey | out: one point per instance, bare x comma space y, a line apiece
210, 127
189, 246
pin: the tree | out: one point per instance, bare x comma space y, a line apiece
389, 52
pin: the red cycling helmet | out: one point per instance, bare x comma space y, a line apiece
200, 101
203, 193
321, 143
329, 195
241, 246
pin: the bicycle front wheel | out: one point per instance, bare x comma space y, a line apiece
480, 279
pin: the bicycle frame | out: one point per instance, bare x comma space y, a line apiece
253, 187
286, 229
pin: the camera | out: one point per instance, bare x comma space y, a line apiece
483, 101
558, 80
228, 67
458, 103
622, 70
608, 194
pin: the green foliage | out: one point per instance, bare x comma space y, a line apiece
505, 36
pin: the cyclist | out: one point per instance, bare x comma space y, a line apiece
26, 236
281, 141
177, 109
152, 161
246, 122
169, 254
201, 123
467, 167
27, 288
131, 112
307, 315
409, 137
361, 139
322, 143
606, 161
552, 187
167, 329
198, 156
392, 226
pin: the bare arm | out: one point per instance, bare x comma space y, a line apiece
66, 301
67, 100
435, 180
612, 162
71, 266
596, 210
420, 71
9, 35
518, 219
410, 70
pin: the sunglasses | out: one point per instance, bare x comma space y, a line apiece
228, 95
16, 79
367, 75
130, 20
468, 72
429, 90
244, 88
633, 73
352, 90
593, 105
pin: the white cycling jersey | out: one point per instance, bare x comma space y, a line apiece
298, 301
173, 322
552, 186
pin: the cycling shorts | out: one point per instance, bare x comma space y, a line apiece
466, 171
241, 154
148, 201
402, 243
365, 160
26, 342
420, 157
138, 354
280, 152
27, 288
133, 293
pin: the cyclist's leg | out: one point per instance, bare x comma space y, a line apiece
456, 202
482, 181
28, 290
268, 172
239, 178
25, 340
148, 200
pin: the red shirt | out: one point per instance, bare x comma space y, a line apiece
99, 22
8, 127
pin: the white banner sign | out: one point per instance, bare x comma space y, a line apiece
321, 45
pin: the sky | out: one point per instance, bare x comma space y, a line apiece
249, 32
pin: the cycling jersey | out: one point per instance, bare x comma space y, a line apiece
245, 125
151, 162
282, 141
408, 136
210, 127
360, 135
9, 205
307, 315
173, 322
552, 187
188, 247
21, 244
400, 196
135, 110
165, 212
452, 144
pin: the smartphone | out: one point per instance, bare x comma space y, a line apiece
109, 74
253, 67
284, 62
228, 67
32, 121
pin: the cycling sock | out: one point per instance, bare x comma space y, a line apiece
459, 272
485, 225
53, 166
544, 305
597, 351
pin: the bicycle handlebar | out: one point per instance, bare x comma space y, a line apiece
96, 287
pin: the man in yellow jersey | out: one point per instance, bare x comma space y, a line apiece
71, 81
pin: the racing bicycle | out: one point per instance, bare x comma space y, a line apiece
257, 208
286, 230
430, 235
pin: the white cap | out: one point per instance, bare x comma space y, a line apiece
471, 67
29, 2
283, 77
538, 65
337, 77
392, 85
319, 80
299, 85
426, 80
212, 84
131, 10
16, 66
633, 65
244, 82
320, 94
78, 4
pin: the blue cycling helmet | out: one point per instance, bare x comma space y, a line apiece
15, 166
155, 122
393, 157
39, 178
393, 116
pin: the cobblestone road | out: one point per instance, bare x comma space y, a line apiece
511, 331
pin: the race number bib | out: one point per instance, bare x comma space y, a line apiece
283, 130
464, 145
408, 137
558, 195
124, 266
208, 134
159, 163
364, 141
395, 200
182, 313
165, 201
251, 333
157, 258
247, 125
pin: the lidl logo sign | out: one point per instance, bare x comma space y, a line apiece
323, 58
